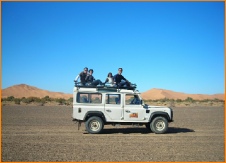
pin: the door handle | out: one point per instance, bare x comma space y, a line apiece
108, 110
127, 111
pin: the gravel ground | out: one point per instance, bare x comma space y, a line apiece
47, 133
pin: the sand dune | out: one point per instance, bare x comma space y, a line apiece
162, 93
23, 90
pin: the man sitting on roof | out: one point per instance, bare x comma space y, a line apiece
119, 80
82, 75
90, 80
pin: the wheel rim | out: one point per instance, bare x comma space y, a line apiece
94, 125
160, 125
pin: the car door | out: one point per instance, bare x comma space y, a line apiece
113, 107
133, 110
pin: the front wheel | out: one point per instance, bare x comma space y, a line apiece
94, 125
159, 125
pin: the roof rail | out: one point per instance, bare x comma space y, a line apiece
105, 87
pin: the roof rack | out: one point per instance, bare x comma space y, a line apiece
106, 87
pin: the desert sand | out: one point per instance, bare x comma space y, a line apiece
47, 133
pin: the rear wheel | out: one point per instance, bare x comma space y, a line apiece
94, 125
159, 125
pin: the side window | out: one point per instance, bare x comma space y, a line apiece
113, 99
132, 99
82, 98
95, 98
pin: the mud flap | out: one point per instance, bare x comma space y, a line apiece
79, 124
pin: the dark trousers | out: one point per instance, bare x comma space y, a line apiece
96, 82
123, 83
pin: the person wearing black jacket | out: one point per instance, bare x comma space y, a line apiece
90, 80
119, 80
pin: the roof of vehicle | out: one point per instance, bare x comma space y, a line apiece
104, 89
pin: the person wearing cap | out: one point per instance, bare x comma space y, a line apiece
119, 80
90, 80
82, 75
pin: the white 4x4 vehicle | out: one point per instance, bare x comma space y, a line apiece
101, 106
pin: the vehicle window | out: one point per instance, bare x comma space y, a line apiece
132, 99
113, 99
95, 98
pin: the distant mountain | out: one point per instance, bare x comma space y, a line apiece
23, 90
162, 93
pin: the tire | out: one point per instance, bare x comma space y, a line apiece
94, 125
159, 125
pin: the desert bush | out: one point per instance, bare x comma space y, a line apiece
10, 98
46, 98
205, 100
31, 99
42, 101
218, 100
164, 100
61, 101
23, 99
189, 99
17, 101
37, 99
178, 100
4, 99
68, 103
70, 99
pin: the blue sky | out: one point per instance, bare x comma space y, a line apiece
177, 46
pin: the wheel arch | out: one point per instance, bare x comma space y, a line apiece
159, 114
95, 113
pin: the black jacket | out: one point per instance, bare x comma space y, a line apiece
118, 78
83, 76
89, 78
